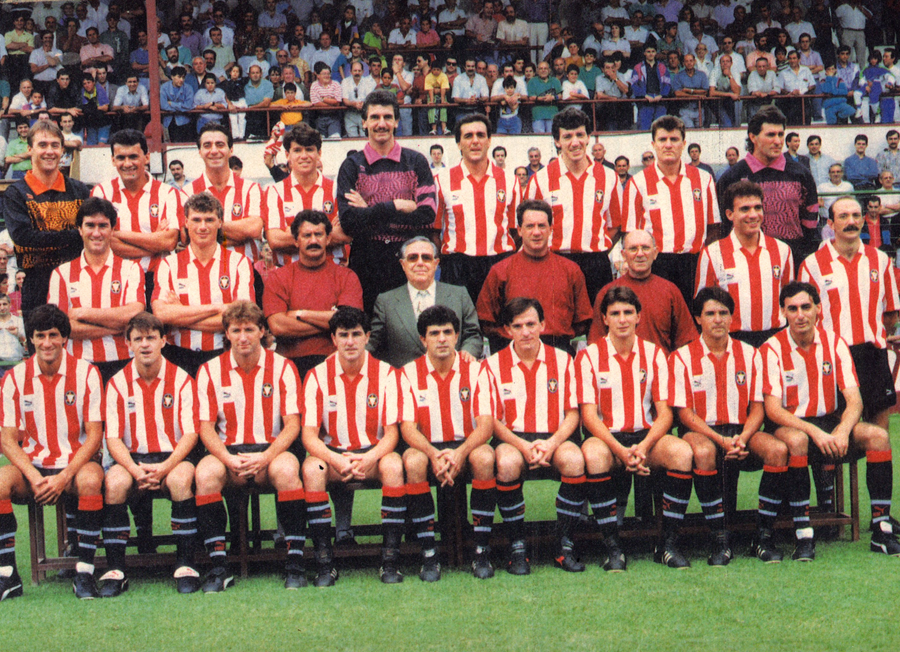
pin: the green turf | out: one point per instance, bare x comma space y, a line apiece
845, 600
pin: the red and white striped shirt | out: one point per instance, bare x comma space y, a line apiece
52, 410
754, 280
285, 199
623, 389
807, 382
240, 199
75, 285
224, 279
248, 407
151, 417
855, 294
351, 413
677, 213
585, 209
143, 211
443, 408
718, 389
475, 216
529, 400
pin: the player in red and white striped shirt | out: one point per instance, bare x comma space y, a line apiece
476, 208
750, 265
249, 404
584, 196
196, 285
151, 429
150, 212
241, 199
438, 399
56, 401
674, 202
717, 390
805, 366
535, 413
623, 390
306, 188
350, 431
99, 291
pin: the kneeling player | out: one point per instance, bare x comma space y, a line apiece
805, 366
624, 392
536, 412
56, 401
350, 432
437, 420
151, 428
717, 389
249, 407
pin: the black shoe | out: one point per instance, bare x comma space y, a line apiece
721, 552
805, 550
113, 583
187, 579
481, 565
326, 573
84, 586
518, 560
895, 525
217, 580
615, 558
765, 549
389, 573
668, 553
885, 543
566, 558
295, 579
10, 587
345, 538
431, 569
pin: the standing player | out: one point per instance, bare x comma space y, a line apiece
249, 407
56, 401
751, 266
150, 212
476, 207
438, 397
195, 286
350, 432
584, 196
151, 429
717, 389
535, 413
676, 203
623, 390
805, 367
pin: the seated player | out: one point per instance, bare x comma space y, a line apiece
805, 366
56, 401
717, 390
535, 414
624, 396
249, 409
437, 420
151, 430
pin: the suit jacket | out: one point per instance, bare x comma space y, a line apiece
395, 336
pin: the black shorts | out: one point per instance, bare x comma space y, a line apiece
876, 382
187, 359
575, 437
237, 449
749, 463
754, 338
629, 439
358, 451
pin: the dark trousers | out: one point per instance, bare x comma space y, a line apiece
680, 270
468, 271
595, 267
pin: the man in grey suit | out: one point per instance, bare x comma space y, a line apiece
395, 337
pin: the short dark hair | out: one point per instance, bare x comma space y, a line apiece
128, 138
45, 318
235, 162
348, 317
892, 132
861, 137
619, 294
796, 287
694, 146
437, 316
569, 118
176, 162
320, 66
791, 135
93, 206
179, 71
742, 188
498, 148
311, 216
712, 293
517, 306
291, 87
766, 115
304, 135
381, 98
813, 137
144, 322
667, 123
533, 205
217, 127
469, 119
436, 146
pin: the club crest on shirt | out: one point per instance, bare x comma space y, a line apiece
501, 196
237, 210
464, 394
599, 196
168, 401
267, 390
697, 195
224, 282
776, 272
328, 206
70, 397
372, 400
826, 368
154, 210
552, 385
643, 376
873, 275
740, 378
115, 287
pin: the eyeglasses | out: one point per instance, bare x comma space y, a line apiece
414, 258
647, 158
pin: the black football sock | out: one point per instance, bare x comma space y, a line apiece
116, 530
511, 502
483, 504
213, 519
708, 486
771, 495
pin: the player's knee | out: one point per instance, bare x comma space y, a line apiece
482, 461
180, 480
390, 469
681, 457
704, 454
415, 463
776, 454
509, 466
210, 475
597, 456
873, 437
117, 484
314, 474
570, 461
89, 479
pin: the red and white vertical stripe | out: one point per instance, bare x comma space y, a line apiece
240, 199
285, 199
